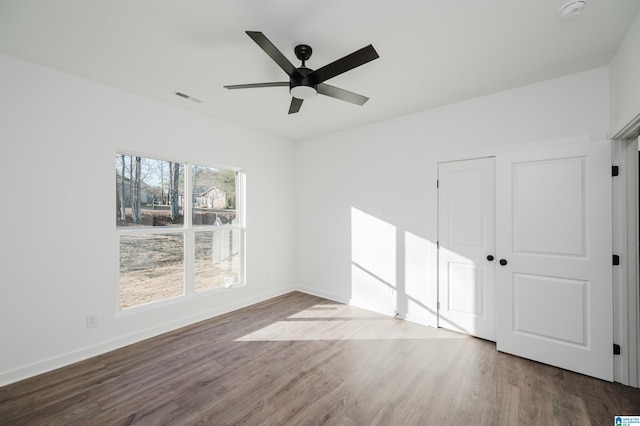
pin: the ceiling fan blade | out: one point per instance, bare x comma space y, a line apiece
273, 52
349, 62
295, 105
255, 85
343, 95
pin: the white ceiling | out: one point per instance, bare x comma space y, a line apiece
432, 52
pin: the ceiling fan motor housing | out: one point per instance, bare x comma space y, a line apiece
301, 85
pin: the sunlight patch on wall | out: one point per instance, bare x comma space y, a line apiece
420, 258
373, 261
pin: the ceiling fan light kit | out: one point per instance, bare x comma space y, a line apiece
305, 83
303, 92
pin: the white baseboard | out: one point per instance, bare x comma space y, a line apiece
348, 301
374, 308
420, 319
107, 346
323, 294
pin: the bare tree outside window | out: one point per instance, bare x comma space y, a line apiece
175, 191
140, 184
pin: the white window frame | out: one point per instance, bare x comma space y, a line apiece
188, 230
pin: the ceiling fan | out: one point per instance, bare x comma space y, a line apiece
305, 83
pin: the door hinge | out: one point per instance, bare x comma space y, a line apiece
616, 349
437, 183
437, 244
616, 260
438, 304
615, 170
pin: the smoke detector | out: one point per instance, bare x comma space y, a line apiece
572, 9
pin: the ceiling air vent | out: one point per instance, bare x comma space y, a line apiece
191, 98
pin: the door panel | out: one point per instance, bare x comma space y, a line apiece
466, 236
563, 181
554, 295
465, 281
565, 313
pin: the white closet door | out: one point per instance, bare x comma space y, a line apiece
466, 236
554, 294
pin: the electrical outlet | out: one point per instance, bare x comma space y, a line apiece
92, 321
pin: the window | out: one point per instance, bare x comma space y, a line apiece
217, 234
171, 242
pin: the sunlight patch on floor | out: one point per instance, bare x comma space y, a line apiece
344, 322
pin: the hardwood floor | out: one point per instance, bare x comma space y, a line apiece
299, 359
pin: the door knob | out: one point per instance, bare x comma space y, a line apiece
503, 262
490, 258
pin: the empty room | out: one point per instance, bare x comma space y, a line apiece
290, 213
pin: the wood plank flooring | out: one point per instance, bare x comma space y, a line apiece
302, 360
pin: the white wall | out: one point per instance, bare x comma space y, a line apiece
625, 80
59, 135
366, 200
365, 206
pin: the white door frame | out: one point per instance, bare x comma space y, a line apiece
625, 243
